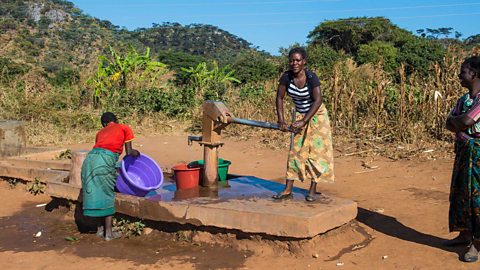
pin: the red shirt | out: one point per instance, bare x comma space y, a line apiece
113, 136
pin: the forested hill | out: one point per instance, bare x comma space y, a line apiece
195, 39
52, 35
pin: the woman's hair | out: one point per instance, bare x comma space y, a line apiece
473, 63
298, 50
108, 117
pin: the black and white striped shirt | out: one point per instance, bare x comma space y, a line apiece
302, 97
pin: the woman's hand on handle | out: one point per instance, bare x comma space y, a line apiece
282, 126
298, 125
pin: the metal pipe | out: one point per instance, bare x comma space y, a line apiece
254, 123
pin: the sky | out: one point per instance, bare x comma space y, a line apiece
274, 24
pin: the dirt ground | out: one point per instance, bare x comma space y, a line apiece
402, 221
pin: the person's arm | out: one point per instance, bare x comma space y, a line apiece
459, 123
282, 89
130, 151
317, 102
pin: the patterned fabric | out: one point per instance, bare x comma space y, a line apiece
98, 183
470, 106
113, 136
311, 155
464, 212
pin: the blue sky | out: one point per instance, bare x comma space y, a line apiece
271, 24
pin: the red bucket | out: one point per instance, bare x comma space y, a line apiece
186, 177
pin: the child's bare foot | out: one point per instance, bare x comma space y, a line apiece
100, 231
114, 235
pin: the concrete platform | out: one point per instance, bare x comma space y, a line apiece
245, 205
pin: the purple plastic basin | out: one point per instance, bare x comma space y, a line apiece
139, 175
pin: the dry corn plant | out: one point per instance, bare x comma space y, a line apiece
261, 108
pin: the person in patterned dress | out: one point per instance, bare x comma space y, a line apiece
463, 120
311, 151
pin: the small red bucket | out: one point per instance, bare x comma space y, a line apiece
186, 177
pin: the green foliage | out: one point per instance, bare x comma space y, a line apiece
7, 25
419, 53
349, 34
379, 52
44, 23
436, 33
252, 66
196, 39
256, 94
113, 72
177, 60
67, 154
10, 70
173, 101
12, 181
322, 58
65, 77
472, 41
210, 84
129, 228
14, 9
36, 187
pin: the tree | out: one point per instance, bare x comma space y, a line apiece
253, 66
379, 52
349, 34
472, 40
419, 53
322, 58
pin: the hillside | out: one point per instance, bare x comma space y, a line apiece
53, 36
195, 39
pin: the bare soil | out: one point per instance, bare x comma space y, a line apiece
402, 220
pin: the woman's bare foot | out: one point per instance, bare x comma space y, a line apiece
471, 255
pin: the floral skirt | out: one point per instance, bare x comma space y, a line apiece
311, 155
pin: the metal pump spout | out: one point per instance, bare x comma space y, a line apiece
194, 138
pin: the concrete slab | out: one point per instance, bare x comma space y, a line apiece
245, 205
30, 174
61, 165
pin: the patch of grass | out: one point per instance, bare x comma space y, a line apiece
184, 236
36, 187
67, 154
129, 228
12, 182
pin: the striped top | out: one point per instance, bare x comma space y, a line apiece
302, 97
470, 107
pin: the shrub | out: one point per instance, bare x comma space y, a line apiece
9, 69
379, 52
252, 66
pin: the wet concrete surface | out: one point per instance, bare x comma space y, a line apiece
236, 187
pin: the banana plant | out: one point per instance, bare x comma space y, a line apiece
114, 70
204, 80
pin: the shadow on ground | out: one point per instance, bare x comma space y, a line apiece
392, 227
